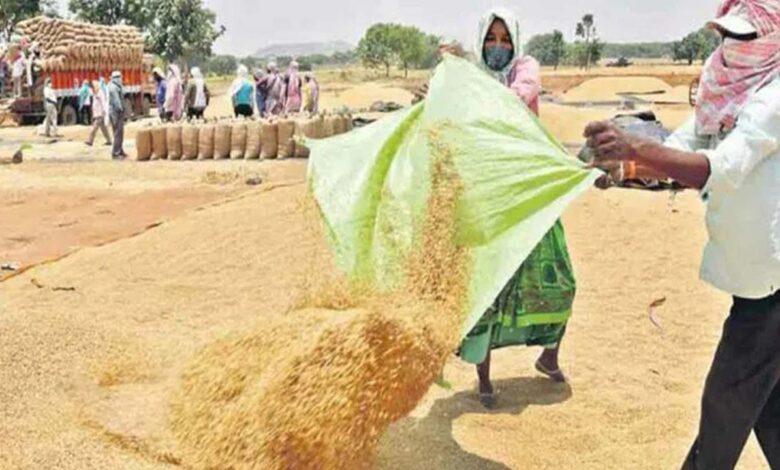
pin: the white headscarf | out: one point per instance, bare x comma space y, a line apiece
513, 26
200, 87
242, 77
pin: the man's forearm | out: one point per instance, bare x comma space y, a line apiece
689, 168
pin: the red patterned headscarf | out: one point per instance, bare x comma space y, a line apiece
737, 69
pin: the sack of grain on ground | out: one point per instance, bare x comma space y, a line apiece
286, 130
189, 142
222, 140
206, 142
173, 142
339, 125
253, 140
301, 130
238, 140
159, 143
327, 126
143, 145
270, 140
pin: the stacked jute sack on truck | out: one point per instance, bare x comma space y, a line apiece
239, 138
70, 45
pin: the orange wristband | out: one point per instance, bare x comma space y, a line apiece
630, 170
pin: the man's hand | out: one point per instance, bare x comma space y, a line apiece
614, 149
609, 143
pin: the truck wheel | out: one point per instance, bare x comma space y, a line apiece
69, 116
128, 109
146, 106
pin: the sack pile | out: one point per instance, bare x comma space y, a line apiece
68, 45
237, 138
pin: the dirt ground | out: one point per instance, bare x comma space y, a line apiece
160, 258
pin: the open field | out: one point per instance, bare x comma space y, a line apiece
135, 266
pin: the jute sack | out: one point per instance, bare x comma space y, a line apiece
159, 143
301, 132
222, 140
327, 126
206, 142
253, 140
339, 125
173, 141
350, 124
238, 140
285, 138
143, 145
269, 140
189, 142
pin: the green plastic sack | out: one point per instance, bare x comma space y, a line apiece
372, 184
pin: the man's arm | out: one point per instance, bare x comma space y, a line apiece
613, 146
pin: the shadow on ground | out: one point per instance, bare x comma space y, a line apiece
427, 443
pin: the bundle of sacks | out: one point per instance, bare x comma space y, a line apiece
69, 45
237, 138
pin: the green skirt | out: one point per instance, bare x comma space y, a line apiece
533, 307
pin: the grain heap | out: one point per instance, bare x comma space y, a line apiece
70, 45
317, 389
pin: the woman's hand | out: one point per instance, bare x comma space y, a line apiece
420, 93
453, 48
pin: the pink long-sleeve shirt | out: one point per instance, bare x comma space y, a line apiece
526, 81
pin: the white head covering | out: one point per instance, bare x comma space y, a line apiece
512, 25
174, 70
196, 73
242, 71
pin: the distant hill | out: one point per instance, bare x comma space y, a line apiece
304, 49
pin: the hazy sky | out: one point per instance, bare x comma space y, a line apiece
252, 24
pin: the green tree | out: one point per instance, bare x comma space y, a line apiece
581, 53
377, 47
221, 65
697, 45
14, 11
548, 49
182, 29
133, 12
586, 30
431, 51
409, 47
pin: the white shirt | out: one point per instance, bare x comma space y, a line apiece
18, 70
49, 95
742, 256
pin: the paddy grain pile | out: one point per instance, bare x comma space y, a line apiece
317, 388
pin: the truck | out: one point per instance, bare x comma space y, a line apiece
67, 78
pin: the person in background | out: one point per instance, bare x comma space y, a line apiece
312, 94
197, 97
50, 105
174, 94
99, 111
85, 103
3, 72
17, 74
159, 91
274, 104
242, 93
730, 151
293, 98
261, 91
116, 113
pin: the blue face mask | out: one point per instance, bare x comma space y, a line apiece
498, 57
